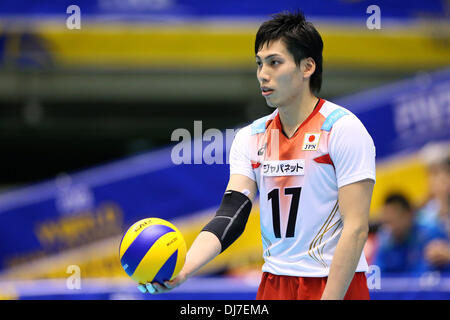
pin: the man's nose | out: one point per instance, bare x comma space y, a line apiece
263, 76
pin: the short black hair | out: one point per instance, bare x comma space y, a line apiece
301, 38
400, 200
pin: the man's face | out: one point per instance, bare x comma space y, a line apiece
279, 77
397, 220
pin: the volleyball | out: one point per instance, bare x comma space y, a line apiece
152, 250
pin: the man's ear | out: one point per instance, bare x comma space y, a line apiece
308, 67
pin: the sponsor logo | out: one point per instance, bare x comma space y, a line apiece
171, 241
262, 149
295, 167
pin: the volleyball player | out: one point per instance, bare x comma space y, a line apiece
313, 163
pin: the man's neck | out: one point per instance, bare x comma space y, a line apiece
293, 115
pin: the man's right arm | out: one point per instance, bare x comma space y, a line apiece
207, 245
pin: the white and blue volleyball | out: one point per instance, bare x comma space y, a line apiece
152, 250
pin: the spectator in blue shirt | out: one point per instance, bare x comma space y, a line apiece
436, 211
402, 241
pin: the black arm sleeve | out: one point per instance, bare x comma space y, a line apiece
231, 218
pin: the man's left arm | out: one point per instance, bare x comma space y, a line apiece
354, 204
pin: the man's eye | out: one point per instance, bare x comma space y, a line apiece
258, 63
275, 62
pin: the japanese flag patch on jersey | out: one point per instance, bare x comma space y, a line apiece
311, 142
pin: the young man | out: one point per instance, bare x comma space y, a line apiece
314, 165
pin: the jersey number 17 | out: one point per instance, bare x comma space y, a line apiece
274, 196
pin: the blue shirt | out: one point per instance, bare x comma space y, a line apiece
406, 256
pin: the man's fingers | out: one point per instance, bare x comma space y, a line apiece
155, 287
142, 288
150, 288
158, 287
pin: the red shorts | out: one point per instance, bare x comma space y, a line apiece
274, 287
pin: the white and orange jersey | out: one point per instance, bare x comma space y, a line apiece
298, 180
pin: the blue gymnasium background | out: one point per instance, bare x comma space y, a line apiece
74, 218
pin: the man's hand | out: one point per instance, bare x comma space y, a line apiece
155, 287
437, 252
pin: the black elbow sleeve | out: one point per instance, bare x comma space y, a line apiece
231, 218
